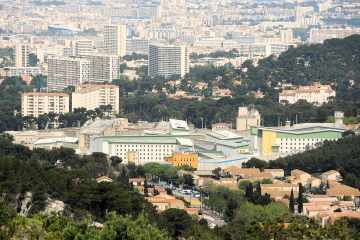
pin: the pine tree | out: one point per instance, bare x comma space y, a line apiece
300, 199
249, 191
292, 201
146, 191
258, 188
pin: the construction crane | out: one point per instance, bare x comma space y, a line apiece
41, 83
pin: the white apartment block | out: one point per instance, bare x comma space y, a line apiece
312, 94
83, 47
64, 72
337, 33
137, 45
35, 104
149, 11
286, 36
18, 71
103, 68
146, 151
21, 55
165, 60
93, 96
115, 40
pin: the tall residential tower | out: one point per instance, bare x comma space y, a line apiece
165, 60
115, 40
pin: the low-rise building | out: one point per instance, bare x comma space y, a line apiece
276, 173
343, 190
180, 158
237, 172
313, 182
99, 128
331, 175
137, 181
312, 94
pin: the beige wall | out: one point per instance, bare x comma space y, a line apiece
35, 104
92, 96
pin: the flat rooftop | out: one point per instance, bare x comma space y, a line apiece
97, 127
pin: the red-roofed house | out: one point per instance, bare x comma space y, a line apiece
137, 181
104, 179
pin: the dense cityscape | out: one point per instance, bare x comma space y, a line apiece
179, 119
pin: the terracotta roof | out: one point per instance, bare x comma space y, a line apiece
104, 177
191, 209
262, 175
273, 170
343, 190
137, 180
86, 85
299, 172
47, 94
330, 172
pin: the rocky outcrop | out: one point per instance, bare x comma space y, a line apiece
53, 206
25, 205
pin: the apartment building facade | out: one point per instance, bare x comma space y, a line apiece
103, 68
115, 40
318, 35
165, 60
83, 48
64, 72
35, 104
21, 52
93, 96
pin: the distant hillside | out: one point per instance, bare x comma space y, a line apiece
334, 61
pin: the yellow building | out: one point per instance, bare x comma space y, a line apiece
131, 156
180, 158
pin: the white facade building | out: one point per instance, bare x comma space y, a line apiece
35, 104
83, 47
64, 72
103, 68
338, 33
93, 96
115, 40
312, 94
21, 55
286, 36
165, 60
18, 71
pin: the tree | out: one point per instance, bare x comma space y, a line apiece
217, 172
300, 198
258, 188
177, 221
146, 191
231, 206
249, 191
189, 179
243, 185
292, 201
115, 160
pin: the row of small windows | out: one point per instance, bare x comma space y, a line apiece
143, 150
302, 139
145, 146
186, 159
141, 154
